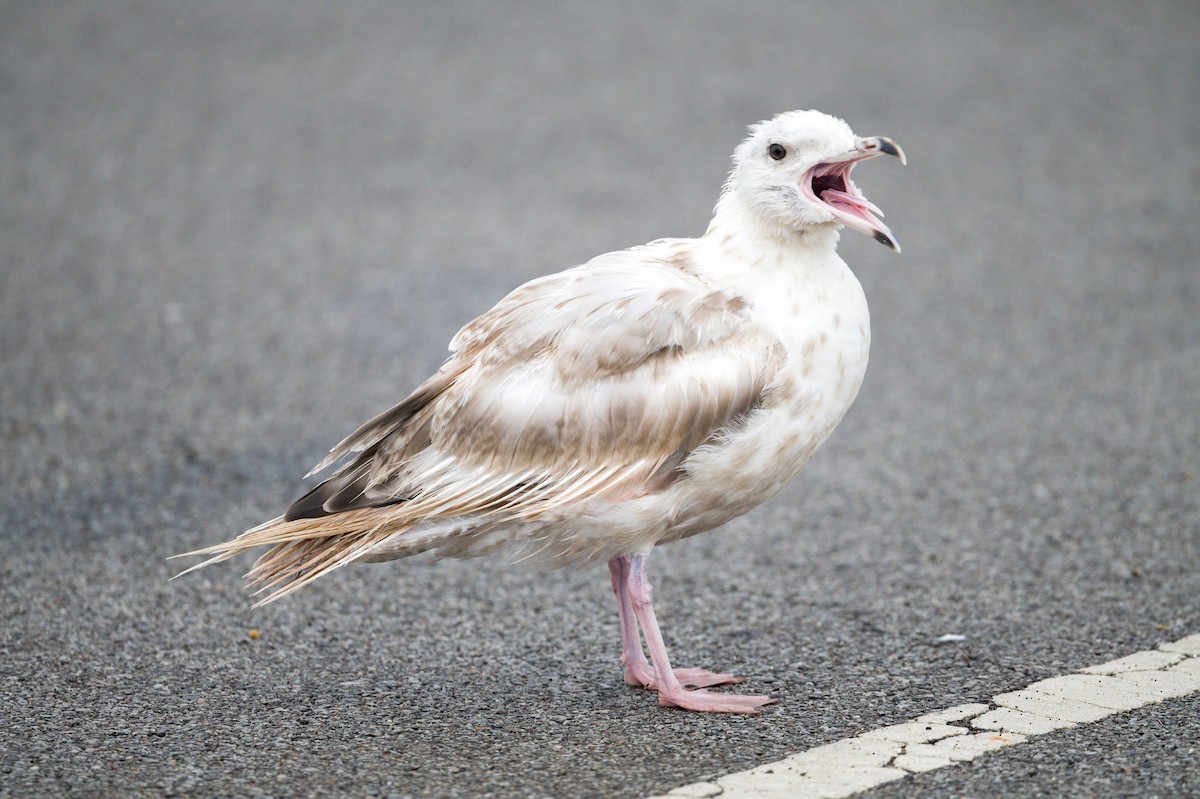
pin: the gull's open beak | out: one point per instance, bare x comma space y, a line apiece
829, 184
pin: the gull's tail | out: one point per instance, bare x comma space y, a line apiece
301, 550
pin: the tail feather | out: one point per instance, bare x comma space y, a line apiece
301, 550
330, 554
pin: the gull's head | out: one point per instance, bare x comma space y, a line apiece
792, 175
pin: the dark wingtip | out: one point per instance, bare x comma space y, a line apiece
312, 504
338, 493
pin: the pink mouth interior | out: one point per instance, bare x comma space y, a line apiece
831, 184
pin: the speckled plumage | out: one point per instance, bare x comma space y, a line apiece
643, 397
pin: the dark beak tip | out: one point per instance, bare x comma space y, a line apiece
887, 241
889, 147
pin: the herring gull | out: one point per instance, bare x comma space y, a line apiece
643, 397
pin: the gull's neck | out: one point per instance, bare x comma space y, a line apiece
741, 243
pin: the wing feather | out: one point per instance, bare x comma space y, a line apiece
580, 378
593, 383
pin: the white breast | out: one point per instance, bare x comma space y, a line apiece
815, 309
819, 313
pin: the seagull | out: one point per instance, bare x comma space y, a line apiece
638, 399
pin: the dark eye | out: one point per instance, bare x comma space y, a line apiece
777, 151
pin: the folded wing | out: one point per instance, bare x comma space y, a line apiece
593, 384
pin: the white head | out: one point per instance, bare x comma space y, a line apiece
792, 175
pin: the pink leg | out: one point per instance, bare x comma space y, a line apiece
638, 670
670, 692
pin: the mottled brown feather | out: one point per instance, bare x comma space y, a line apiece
591, 383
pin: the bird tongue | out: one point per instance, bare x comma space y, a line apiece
859, 213
852, 204
829, 184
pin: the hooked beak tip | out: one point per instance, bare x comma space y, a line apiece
887, 241
889, 147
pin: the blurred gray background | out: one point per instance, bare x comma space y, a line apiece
230, 232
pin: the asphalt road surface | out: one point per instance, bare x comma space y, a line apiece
231, 232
